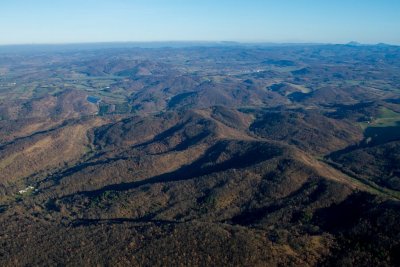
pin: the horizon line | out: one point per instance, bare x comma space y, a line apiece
355, 43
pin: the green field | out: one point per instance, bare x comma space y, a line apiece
386, 118
385, 128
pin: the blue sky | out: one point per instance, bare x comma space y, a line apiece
69, 21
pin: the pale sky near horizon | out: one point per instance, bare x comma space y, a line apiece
323, 21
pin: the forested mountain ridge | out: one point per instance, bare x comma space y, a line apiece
200, 155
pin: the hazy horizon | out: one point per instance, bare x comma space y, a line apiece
196, 42
302, 21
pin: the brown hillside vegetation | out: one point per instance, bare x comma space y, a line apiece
200, 156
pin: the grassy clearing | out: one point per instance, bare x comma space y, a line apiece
386, 118
282, 69
301, 88
353, 82
112, 96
